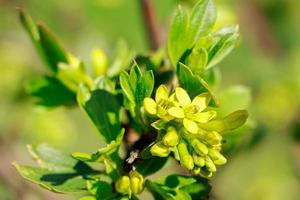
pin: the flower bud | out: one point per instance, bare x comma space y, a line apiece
198, 160
136, 182
171, 138
210, 165
160, 150
199, 147
214, 138
99, 61
186, 160
123, 185
217, 157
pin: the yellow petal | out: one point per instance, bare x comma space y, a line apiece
190, 126
201, 101
150, 106
176, 112
204, 117
161, 93
182, 97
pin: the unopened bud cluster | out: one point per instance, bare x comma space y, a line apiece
196, 149
130, 185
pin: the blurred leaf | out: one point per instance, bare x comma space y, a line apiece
73, 73
122, 58
57, 172
53, 50
51, 158
151, 165
233, 98
103, 110
65, 182
230, 122
50, 92
224, 42
179, 187
45, 42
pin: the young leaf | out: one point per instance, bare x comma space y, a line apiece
185, 31
202, 19
193, 84
151, 165
136, 87
103, 110
57, 172
224, 42
230, 122
177, 40
50, 92
53, 50
51, 158
64, 182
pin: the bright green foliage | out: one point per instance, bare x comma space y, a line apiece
179, 120
103, 110
57, 172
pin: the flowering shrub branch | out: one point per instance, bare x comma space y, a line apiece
167, 103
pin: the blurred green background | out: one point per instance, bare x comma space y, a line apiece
264, 157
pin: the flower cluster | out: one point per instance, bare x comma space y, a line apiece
130, 185
196, 149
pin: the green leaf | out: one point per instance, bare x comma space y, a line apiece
29, 25
100, 189
60, 182
176, 181
202, 19
51, 158
193, 84
126, 86
103, 110
185, 31
199, 189
177, 40
224, 42
179, 187
228, 123
57, 172
151, 165
45, 42
50, 92
53, 50
197, 60
136, 87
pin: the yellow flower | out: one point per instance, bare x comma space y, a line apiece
191, 111
161, 103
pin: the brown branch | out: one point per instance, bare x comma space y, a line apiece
149, 21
